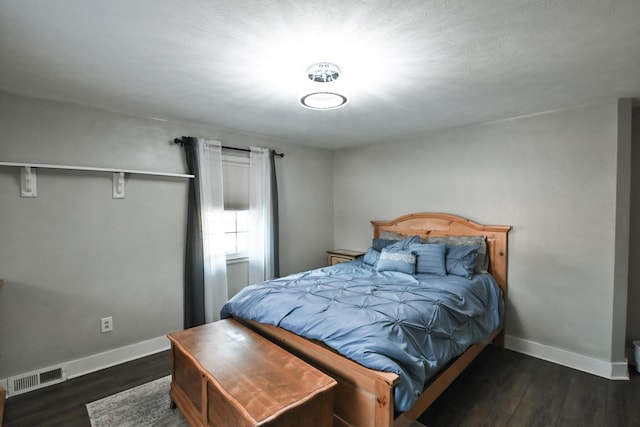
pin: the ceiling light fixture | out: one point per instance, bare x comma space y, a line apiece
323, 73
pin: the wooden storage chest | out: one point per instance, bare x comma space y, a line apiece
224, 374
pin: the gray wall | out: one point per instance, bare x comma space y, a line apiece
552, 176
622, 230
73, 254
633, 297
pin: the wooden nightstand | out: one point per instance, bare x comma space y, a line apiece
341, 255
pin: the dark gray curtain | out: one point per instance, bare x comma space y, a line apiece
194, 263
276, 220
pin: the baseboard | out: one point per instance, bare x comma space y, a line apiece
116, 356
96, 362
601, 368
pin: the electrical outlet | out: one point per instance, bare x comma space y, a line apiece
106, 324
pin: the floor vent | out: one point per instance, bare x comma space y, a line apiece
35, 380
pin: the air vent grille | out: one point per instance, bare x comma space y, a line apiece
23, 383
35, 380
52, 375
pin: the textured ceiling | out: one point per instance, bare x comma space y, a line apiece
408, 67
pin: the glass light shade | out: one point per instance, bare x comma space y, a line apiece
323, 72
323, 100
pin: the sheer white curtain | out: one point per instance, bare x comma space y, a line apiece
212, 211
262, 252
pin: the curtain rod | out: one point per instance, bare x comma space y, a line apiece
247, 150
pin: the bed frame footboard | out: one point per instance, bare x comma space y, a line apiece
363, 397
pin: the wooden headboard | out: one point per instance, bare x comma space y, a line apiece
440, 224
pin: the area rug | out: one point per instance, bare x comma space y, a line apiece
143, 406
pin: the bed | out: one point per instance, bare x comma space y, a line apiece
389, 392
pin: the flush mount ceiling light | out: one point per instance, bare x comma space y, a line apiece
323, 73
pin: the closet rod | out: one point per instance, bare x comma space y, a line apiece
225, 147
94, 169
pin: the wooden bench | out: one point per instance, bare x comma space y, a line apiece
224, 374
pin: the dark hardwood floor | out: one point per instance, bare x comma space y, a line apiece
505, 388
501, 388
64, 404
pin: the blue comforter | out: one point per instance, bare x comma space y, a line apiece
389, 321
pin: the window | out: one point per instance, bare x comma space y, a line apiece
235, 178
236, 233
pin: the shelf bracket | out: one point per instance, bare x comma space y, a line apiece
28, 183
118, 185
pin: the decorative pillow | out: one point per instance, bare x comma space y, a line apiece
402, 261
371, 257
379, 244
431, 258
461, 260
403, 245
482, 261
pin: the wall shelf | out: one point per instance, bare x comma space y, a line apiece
28, 181
93, 169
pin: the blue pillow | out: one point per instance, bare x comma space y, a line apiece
431, 258
371, 257
461, 260
402, 261
482, 263
403, 245
378, 244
